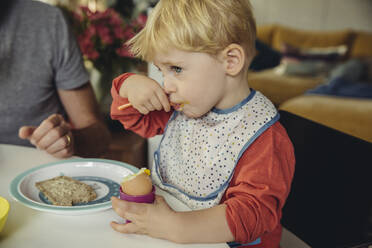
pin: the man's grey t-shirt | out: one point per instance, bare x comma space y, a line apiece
38, 56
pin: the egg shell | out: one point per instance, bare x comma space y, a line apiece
139, 185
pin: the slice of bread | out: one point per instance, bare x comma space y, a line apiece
65, 191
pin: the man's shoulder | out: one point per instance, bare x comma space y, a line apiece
35, 4
36, 11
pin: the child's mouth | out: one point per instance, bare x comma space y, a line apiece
178, 106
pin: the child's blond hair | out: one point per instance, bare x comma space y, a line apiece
197, 26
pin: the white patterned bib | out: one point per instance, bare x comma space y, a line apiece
196, 158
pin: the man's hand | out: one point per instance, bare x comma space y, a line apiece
156, 219
53, 135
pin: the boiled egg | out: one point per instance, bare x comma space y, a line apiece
137, 184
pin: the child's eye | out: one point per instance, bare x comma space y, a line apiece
176, 69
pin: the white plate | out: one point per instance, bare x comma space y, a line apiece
103, 175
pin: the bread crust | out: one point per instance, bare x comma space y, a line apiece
66, 191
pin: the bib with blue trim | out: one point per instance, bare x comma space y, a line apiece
196, 157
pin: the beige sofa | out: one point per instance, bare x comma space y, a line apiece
350, 115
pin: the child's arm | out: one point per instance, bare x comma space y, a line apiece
133, 86
251, 206
204, 226
259, 187
144, 93
160, 221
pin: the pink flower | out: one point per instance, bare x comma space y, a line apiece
123, 51
91, 31
93, 54
100, 35
115, 19
119, 32
105, 34
87, 47
129, 32
77, 17
97, 16
84, 42
85, 10
141, 20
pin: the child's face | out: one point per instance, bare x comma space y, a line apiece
195, 80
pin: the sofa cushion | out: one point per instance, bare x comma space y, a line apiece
340, 86
265, 57
348, 115
327, 54
308, 39
281, 88
362, 45
305, 68
316, 61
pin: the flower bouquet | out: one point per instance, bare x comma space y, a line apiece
101, 36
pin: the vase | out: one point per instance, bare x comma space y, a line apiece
102, 81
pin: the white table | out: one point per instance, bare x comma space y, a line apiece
30, 228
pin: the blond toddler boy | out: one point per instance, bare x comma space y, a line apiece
223, 151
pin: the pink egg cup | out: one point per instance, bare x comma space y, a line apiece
148, 198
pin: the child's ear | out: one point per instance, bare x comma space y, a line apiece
234, 59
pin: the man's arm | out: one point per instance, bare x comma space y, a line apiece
90, 134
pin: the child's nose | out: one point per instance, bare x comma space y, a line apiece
169, 87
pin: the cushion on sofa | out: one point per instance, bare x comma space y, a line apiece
348, 115
308, 39
265, 57
343, 87
327, 54
315, 61
307, 68
362, 45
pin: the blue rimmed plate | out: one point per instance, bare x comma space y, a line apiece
102, 174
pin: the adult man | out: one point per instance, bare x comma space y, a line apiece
44, 85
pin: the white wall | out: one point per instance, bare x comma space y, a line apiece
315, 14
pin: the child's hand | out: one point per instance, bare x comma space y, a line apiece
145, 94
155, 220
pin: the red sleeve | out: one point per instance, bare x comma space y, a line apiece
145, 125
260, 186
